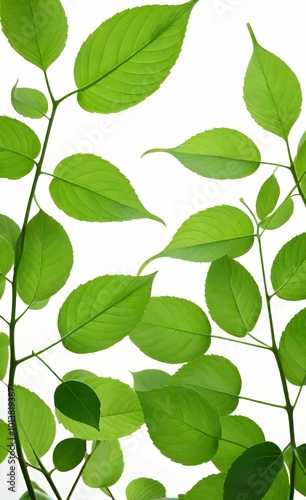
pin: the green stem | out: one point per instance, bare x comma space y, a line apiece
49, 367
299, 393
78, 477
111, 495
295, 177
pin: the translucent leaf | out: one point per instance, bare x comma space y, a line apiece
280, 487
46, 260
91, 189
146, 380
272, 92
232, 296
30, 103
5, 440
102, 312
267, 197
182, 424
4, 354
19, 146
128, 57
214, 377
293, 371
80, 375
172, 330
9, 230
37, 306
220, 153
121, 412
209, 488
79, 402
253, 473
300, 163
145, 488
288, 273
281, 215
6, 256
68, 454
36, 30
293, 347
300, 477
105, 465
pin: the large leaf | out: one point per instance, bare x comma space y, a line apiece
121, 412
253, 473
220, 153
4, 354
281, 215
128, 57
294, 373
272, 92
46, 260
214, 377
19, 146
91, 189
267, 197
300, 476
79, 402
68, 454
172, 330
103, 311
146, 380
293, 347
30, 103
36, 30
105, 465
145, 488
6, 439
288, 273
80, 375
182, 424
209, 488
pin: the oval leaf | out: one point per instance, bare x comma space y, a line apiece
105, 465
300, 163
267, 197
146, 380
68, 454
209, 488
280, 487
293, 347
6, 256
281, 215
6, 438
9, 230
80, 375
79, 402
30, 103
4, 354
145, 488
300, 476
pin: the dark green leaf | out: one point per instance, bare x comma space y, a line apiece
68, 454
4, 354
209, 488
144, 488
267, 197
280, 487
30, 103
293, 347
80, 375
146, 380
300, 476
9, 230
105, 465
128, 57
5, 440
281, 215
79, 402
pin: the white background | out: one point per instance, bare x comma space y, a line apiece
203, 91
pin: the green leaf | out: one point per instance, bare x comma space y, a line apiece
267, 197
281, 215
79, 402
241, 430
253, 473
209, 488
280, 487
172, 330
146, 380
293, 346
121, 412
37, 306
4, 354
2, 286
103, 311
5, 440
80, 375
68, 454
6, 256
36, 30
300, 477
128, 57
36, 428
91, 189
39, 495
214, 377
9, 230
182, 424
300, 163
46, 259
19, 146
105, 465
221, 153
144, 488
232, 296
288, 273
30, 103
294, 373
272, 92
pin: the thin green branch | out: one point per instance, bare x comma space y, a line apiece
299, 461
299, 393
266, 346
78, 477
295, 177
49, 367
5, 320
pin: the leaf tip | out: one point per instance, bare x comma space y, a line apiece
157, 150
252, 34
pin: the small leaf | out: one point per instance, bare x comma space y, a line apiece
91, 189
146, 380
172, 330
30, 103
80, 375
105, 465
5, 440
9, 230
253, 473
272, 92
281, 215
144, 488
39, 495
46, 259
300, 163
182, 424
4, 354
36, 30
215, 378
37, 306
209, 488
128, 57
293, 347
68, 454
79, 402
267, 197
6, 256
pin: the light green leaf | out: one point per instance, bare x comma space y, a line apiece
91, 189
4, 354
241, 430
106, 492
280, 487
214, 377
172, 330
146, 380
105, 465
37, 306
300, 163
128, 57
272, 92
121, 412
144, 488
294, 373
281, 215
102, 312
36, 428
79, 402
46, 260
30, 103
232, 297
267, 197
9, 230
300, 477
220, 153
182, 424
6, 256
209, 488
5, 440
2, 286
288, 273
293, 346
39, 495
36, 30
80, 375
19, 146
68, 454
253, 473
